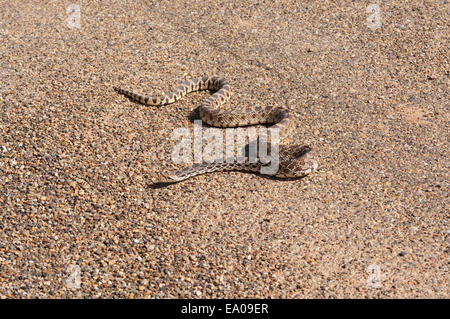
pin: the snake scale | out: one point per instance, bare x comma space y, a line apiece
294, 160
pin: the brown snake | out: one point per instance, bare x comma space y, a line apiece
294, 160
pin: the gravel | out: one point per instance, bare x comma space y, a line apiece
78, 215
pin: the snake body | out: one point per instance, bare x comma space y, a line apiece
294, 160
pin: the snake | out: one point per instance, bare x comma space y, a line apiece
294, 161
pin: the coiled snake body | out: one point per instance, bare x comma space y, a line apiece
294, 160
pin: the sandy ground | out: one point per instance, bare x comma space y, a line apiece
78, 217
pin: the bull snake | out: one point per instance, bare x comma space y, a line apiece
294, 160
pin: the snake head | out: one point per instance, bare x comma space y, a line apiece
296, 161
